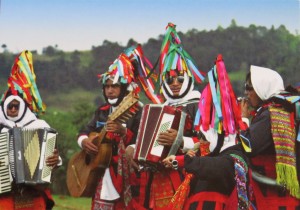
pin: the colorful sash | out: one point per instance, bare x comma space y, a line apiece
284, 135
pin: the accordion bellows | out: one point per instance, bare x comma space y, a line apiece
156, 119
23, 153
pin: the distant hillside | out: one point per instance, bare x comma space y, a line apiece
60, 72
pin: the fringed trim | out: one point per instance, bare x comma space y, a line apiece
284, 136
287, 176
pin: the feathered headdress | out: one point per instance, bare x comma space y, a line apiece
173, 56
22, 81
218, 107
131, 67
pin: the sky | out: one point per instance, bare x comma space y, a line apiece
80, 24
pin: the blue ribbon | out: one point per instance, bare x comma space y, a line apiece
100, 124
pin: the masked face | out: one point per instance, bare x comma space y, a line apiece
13, 108
175, 83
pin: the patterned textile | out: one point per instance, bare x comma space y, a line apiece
284, 135
120, 181
181, 194
162, 190
103, 205
123, 173
206, 200
27, 200
243, 191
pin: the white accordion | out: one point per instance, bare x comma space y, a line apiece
23, 153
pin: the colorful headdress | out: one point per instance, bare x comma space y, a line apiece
218, 107
131, 67
173, 56
22, 81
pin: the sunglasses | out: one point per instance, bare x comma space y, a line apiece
170, 79
248, 87
11, 106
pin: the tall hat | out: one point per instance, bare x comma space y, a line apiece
218, 107
174, 57
130, 68
22, 82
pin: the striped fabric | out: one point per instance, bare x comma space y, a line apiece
284, 135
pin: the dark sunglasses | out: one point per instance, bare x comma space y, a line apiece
170, 80
11, 106
112, 86
248, 87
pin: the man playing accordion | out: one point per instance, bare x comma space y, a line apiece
178, 73
19, 107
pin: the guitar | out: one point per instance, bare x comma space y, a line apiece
84, 170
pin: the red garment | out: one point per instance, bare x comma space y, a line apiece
200, 200
28, 200
163, 187
269, 197
118, 179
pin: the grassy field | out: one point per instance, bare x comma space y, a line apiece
70, 203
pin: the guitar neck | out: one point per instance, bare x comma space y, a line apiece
126, 109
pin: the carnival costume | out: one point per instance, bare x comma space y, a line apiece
22, 88
113, 190
217, 176
158, 187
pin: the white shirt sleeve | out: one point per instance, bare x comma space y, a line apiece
188, 143
246, 120
80, 139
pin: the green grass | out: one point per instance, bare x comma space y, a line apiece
65, 101
237, 76
63, 202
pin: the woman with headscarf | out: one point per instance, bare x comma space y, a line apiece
272, 139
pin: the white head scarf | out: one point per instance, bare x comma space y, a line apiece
25, 115
21, 107
192, 94
266, 82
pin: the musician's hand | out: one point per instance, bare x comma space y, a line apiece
191, 153
167, 138
53, 159
88, 146
168, 161
129, 155
115, 127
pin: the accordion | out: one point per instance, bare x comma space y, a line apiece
28, 151
156, 119
5, 175
23, 153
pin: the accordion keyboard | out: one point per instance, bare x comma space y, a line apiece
50, 146
5, 178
